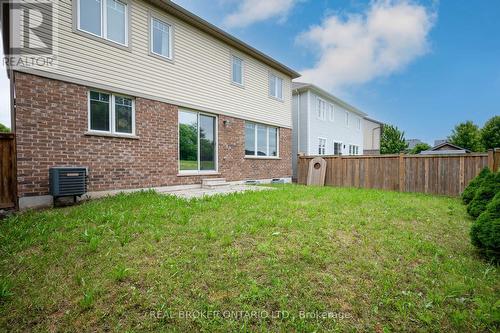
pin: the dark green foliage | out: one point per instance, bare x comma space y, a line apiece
4, 129
490, 134
392, 140
488, 189
485, 232
420, 147
467, 135
474, 185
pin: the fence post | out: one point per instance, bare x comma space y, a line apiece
402, 175
496, 159
462, 174
491, 160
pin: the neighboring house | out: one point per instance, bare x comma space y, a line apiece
372, 132
445, 148
439, 141
146, 94
323, 124
413, 142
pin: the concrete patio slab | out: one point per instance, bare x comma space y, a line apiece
191, 193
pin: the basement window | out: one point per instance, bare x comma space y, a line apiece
112, 114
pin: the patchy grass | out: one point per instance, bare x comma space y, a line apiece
293, 259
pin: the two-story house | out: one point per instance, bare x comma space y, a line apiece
324, 124
146, 94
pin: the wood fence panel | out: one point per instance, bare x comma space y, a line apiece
8, 184
435, 174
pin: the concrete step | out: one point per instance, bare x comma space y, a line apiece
211, 183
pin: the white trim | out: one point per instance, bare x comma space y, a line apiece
277, 76
104, 18
347, 119
171, 31
331, 112
112, 114
340, 149
216, 143
325, 140
242, 84
267, 127
321, 112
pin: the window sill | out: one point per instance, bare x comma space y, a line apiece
162, 58
262, 158
239, 85
110, 135
126, 47
282, 100
198, 173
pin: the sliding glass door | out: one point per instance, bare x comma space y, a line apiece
197, 142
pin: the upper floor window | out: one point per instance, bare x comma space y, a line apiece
321, 146
161, 38
237, 70
321, 109
347, 118
261, 140
107, 19
331, 112
358, 123
275, 86
111, 113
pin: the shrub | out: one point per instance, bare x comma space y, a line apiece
485, 231
488, 189
473, 186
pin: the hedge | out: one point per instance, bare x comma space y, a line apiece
485, 231
488, 189
474, 185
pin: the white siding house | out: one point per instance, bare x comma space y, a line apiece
323, 124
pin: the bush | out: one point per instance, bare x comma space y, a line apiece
485, 231
474, 185
488, 189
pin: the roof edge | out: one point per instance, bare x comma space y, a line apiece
309, 86
196, 21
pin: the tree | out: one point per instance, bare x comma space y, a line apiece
467, 135
419, 147
4, 129
392, 140
490, 134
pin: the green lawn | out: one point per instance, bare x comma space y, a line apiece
296, 259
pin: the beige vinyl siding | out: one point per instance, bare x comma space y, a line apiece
199, 75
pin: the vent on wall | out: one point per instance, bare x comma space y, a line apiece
68, 181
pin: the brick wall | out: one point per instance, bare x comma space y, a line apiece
51, 122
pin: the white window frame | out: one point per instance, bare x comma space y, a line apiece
347, 120
112, 114
255, 155
340, 148
276, 85
331, 111
358, 123
321, 109
322, 142
170, 56
233, 57
353, 150
104, 25
216, 134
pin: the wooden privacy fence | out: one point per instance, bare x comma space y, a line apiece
8, 196
435, 174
